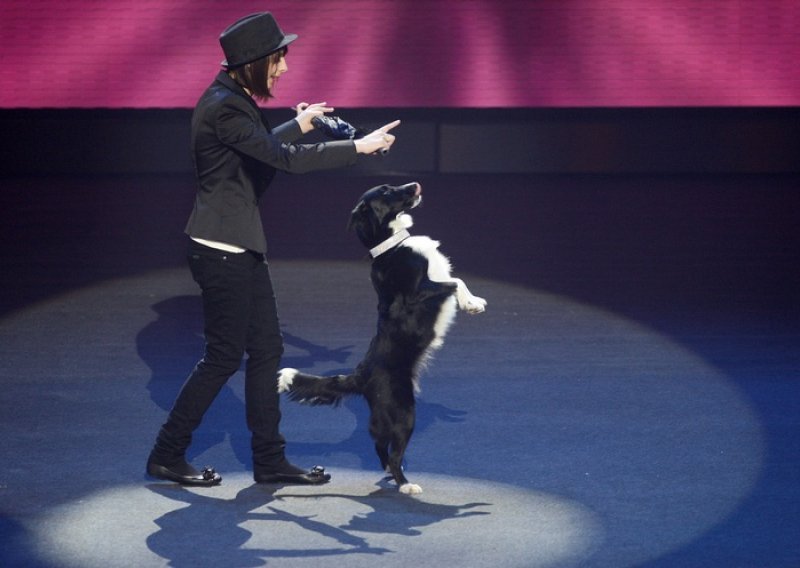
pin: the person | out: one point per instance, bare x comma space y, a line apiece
236, 155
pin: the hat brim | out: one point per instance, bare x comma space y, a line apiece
287, 39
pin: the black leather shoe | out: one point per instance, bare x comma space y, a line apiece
184, 474
315, 476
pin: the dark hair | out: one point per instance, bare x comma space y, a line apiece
253, 76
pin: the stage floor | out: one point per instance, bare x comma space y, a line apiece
630, 397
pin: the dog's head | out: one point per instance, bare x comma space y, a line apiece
382, 211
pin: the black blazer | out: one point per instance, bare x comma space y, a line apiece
235, 156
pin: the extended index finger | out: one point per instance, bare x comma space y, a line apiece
387, 127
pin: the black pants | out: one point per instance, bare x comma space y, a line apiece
240, 317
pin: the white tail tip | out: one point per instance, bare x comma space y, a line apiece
285, 379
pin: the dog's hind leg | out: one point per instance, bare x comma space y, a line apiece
400, 439
391, 441
396, 470
382, 449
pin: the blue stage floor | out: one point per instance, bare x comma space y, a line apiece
631, 397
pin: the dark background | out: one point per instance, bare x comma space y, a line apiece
532, 141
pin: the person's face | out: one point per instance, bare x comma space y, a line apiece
277, 67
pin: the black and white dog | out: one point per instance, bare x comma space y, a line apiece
417, 302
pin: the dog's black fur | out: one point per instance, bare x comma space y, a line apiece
417, 301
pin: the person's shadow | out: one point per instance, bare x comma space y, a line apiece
171, 345
208, 531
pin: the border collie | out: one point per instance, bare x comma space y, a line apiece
417, 303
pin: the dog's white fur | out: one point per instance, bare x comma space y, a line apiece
410, 489
439, 271
439, 268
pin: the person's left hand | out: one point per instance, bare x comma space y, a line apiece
305, 112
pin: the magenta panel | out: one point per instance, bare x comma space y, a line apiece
412, 53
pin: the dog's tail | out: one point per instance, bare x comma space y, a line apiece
314, 390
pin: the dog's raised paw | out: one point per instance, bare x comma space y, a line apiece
475, 305
410, 489
285, 378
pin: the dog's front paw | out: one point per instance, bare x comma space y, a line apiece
285, 379
410, 489
475, 305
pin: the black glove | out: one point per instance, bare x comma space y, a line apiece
336, 128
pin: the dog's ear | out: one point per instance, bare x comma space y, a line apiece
355, 215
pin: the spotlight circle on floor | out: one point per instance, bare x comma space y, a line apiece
638, 433
350, 521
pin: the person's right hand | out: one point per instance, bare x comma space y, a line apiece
306, 112
377, 140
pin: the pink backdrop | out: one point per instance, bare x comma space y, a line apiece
412, 53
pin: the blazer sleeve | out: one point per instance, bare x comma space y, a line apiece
288, 132
241, 128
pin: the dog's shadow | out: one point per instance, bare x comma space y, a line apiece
393, 513
173, 343
212, 531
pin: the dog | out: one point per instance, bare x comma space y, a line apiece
417, 303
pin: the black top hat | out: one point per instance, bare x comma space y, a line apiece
251, 38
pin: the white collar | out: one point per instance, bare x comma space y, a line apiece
389, 243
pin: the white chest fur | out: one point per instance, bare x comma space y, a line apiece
438, 265
439, 271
